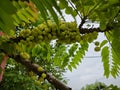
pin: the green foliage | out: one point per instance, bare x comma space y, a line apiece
16, 76
99, 86
77, 57
33, 34
113, 39
14, 13
113, 87
60, 55
95, 86
24, 13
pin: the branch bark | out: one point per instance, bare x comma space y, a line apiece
33, 67
90, 30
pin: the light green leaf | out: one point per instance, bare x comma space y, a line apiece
105, 60
80, 53
28, 15
115, 64
73, 49
22, 17
73, 65
36, 50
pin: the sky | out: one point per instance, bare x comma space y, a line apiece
91, 69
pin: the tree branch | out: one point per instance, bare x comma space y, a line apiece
33, 67
82, 22
90, 30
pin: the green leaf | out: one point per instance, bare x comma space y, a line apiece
51, 10
34, 14
111, 2
22, 17
6, 22
80, 53
7, 6
73, 65
60, 55
102, 25
115, 64
103, 43
28, 14
15, 4
16, 20
41, 6
68, 10
36, 50
73, 49
54, 3
63, 4
105, 60
65, 62
70, 68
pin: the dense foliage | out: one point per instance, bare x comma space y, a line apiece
35, 31
100, 86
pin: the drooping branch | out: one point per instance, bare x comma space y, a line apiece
33, 67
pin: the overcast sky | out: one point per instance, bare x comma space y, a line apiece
90, 70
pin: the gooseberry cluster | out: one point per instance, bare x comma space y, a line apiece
38, 80
25, 55
97, 47
67, 32
90, 37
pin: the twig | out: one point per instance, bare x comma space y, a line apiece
75, 9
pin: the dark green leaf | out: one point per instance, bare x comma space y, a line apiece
70, 68
7, 6
41, 6
103, 43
